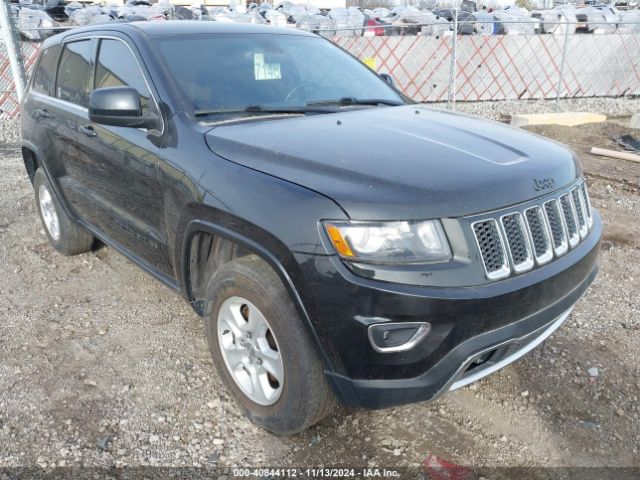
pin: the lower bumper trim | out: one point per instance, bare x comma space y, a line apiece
538, 337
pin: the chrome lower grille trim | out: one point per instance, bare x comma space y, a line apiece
522, 346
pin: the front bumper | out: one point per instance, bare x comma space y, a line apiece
497, 323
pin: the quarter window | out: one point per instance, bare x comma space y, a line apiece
45, 73
117, 67
73, 73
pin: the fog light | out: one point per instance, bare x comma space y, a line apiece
397, 337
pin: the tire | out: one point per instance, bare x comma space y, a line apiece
304, 396
65, 235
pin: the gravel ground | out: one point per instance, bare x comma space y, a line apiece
102, 366
9, 131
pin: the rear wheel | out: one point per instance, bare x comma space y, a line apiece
66, 236
263, 351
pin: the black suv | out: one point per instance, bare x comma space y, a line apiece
340, 241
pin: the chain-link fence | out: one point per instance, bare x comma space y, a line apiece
431, 64
436, 68
9, 102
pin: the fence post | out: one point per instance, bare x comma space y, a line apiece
451, 96
562, 60
9, 35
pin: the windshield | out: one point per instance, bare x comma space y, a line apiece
231, 73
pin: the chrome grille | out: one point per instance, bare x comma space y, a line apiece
569, 216
580, 211
577, 203
556, 225
539, 235
494, 255
587, 203
518, 240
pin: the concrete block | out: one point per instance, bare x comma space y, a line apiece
635, 120
569, 119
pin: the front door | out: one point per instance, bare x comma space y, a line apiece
122, 163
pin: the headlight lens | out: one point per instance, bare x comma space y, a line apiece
390, 242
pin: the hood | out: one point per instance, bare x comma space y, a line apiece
401, 163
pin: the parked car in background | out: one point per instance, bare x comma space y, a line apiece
484, 24
37, 21
465, 19
594, 20
340, 242
628, 21
558, 21
375, 27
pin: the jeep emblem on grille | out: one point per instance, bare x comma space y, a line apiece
540, 184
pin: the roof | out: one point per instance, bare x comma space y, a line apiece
178, 27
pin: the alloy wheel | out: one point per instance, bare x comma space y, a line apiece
250, 351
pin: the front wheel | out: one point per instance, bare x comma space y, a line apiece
263, 351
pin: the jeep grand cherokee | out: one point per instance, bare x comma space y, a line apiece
339, 240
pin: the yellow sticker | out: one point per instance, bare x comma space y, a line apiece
371, 63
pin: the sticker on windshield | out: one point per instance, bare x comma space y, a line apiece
265, 71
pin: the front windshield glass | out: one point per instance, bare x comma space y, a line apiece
220, 73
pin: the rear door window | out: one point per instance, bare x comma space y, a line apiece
74, 70
45, 73
117, 67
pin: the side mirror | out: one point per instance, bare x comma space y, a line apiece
119, 107
388, 78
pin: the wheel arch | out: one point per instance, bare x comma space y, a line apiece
31, 161
236, 237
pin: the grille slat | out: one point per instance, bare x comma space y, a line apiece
492, 249
517, 240
578, 205
569, 219
539, 235
580, 212
556, 225
587, 203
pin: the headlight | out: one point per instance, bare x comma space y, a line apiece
390, 242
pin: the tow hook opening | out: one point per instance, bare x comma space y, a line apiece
481, 360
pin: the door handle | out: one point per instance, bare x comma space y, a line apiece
42, 113
88, 131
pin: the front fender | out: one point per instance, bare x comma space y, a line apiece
202, 219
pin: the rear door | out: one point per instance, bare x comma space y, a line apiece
65, 108
36, 115
120, 164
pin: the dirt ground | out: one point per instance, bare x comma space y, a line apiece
100, 365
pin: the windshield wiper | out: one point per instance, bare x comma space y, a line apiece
346, 101
263, 109
316, 106
303, 109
